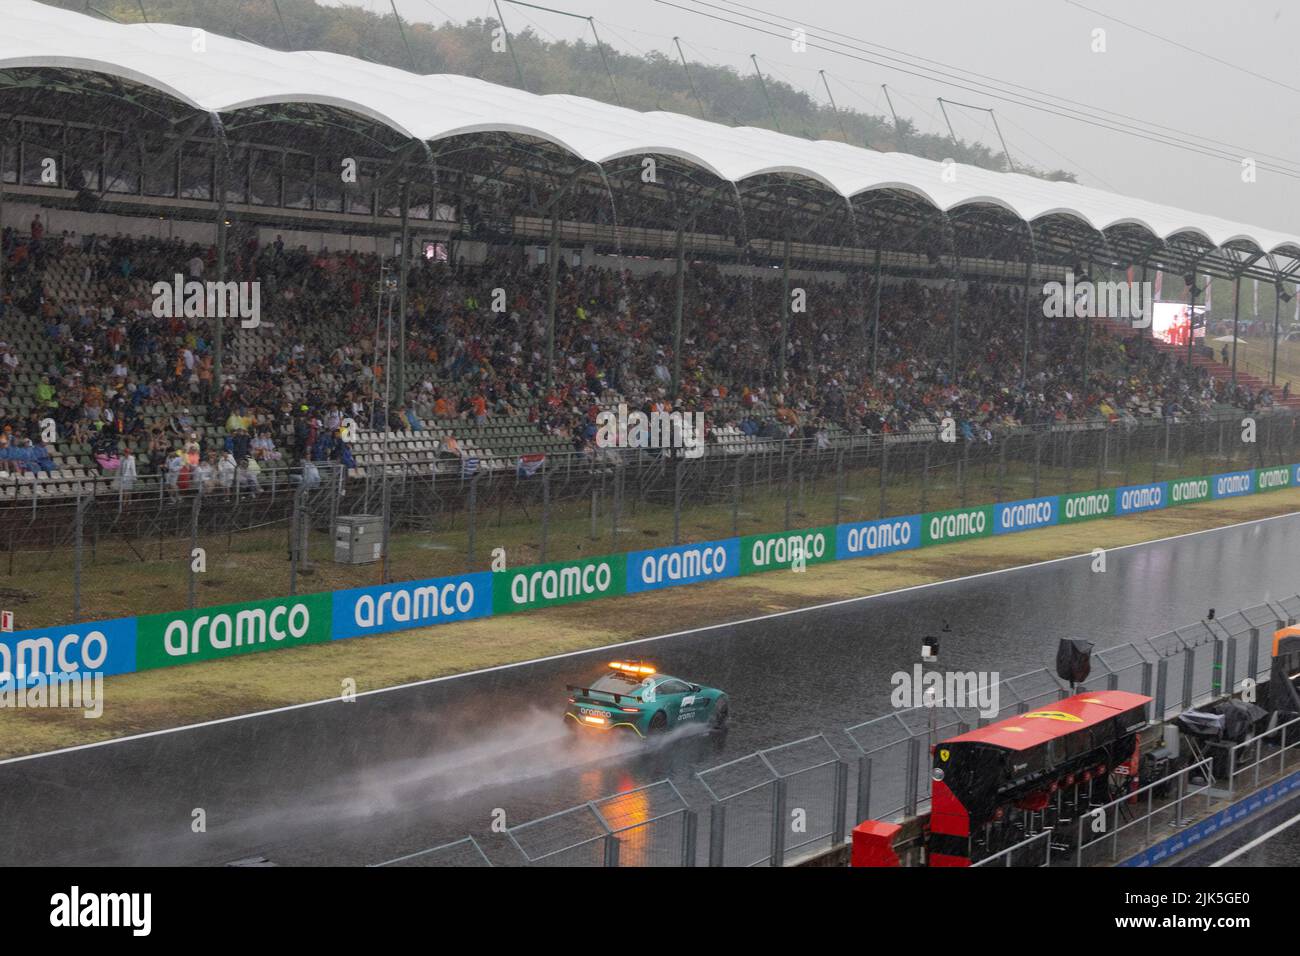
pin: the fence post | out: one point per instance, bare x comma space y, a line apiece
864, 788
1162, 687
717, 833
841, 802
789, 482
677, 499
294, 539
1230, 667
1148, 673
1002, 468
1189, 675
1254, 650
387, 517
690, 828
1069, 461
963, 466
735, 501
76, 567
1038, 460
611, 850
913, 768
839, 484
194, 543
546, 510
616, 502
1125, 452
778, 822
925, 477
884, 472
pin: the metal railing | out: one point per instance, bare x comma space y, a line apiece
464, 852
1268, 746
1024, 850
776, 802
783, 804
1102, 824
73, 551
646, 826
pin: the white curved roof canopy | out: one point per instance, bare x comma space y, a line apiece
231, 74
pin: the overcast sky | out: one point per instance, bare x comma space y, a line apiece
1045, 46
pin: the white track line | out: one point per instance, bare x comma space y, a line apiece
1257, 841
639, 640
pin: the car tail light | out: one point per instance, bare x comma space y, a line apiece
630, 710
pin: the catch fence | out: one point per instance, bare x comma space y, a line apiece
782, 805
92, 555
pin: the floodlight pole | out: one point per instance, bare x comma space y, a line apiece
600, 48
689, 79
519, 72
898, 130
763, 86
1191, 317
834, 108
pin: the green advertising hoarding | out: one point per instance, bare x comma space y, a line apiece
1271, 479
1187, 491
205, 634
561, 582
788, 549
1087, 505
959, 524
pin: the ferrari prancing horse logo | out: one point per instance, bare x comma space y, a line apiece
1055, 715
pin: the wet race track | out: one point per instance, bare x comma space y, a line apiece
398, 771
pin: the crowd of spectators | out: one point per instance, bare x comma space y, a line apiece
115, 372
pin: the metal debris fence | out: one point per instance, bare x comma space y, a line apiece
778, 806
784, 801
439, 519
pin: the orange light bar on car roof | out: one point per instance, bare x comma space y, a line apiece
631, 667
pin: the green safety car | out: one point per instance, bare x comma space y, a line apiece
632, 695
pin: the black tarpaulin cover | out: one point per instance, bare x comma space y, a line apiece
1200, 723
1231, 720
1073, 660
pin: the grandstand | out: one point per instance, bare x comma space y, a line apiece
383, 347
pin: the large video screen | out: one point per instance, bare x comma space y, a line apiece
1169, 322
